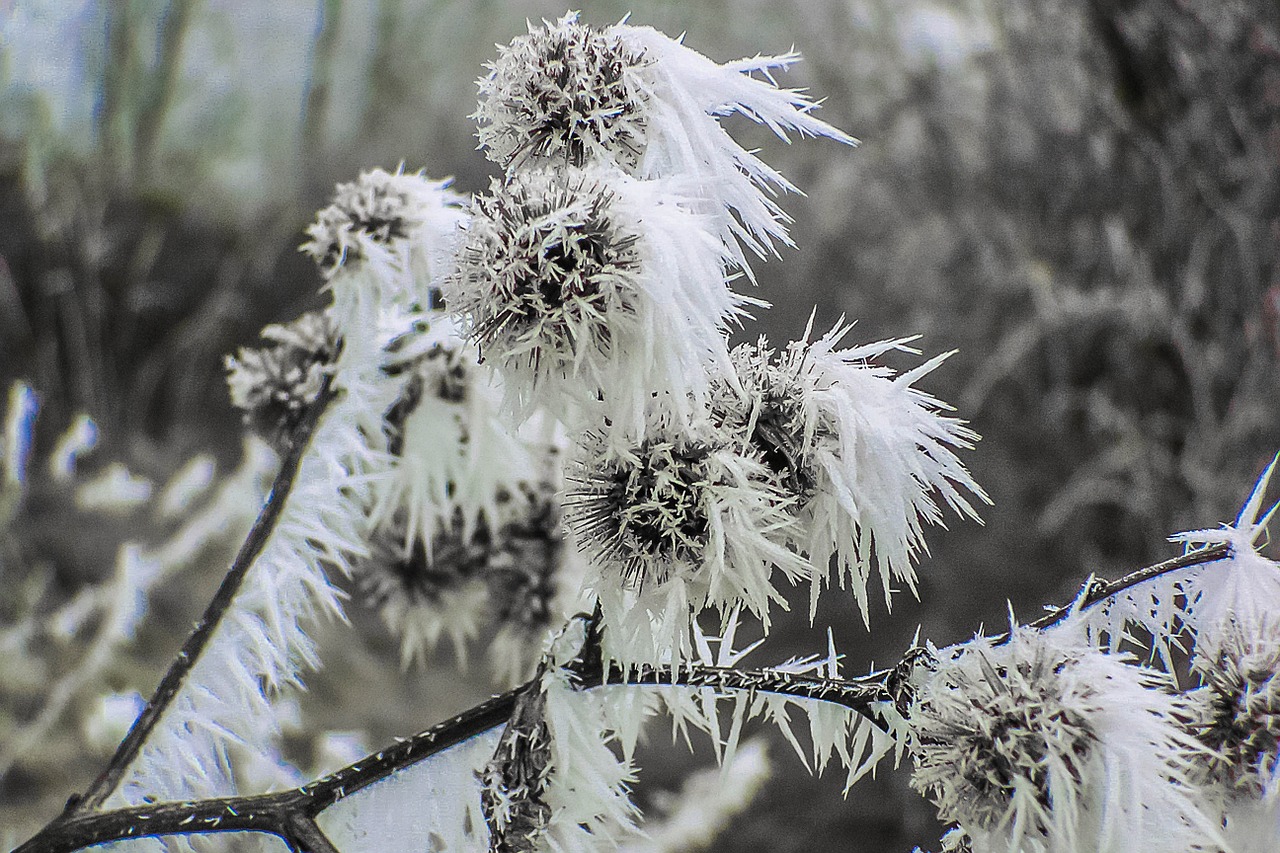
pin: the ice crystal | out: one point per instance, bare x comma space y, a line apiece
864, 454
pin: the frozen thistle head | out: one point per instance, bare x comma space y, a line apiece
770, 408
865, 456
504, 573
1045, 743
544, 271
274, 384
523, 566
673, 524
423, 595
1238, 709
999, 736
562, 92
647, 511
374, 213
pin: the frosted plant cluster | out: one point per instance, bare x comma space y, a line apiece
520, 426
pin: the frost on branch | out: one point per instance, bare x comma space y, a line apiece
1046, 744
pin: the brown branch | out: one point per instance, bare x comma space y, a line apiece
199, 638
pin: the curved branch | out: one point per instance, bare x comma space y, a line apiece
291, 814
199, 638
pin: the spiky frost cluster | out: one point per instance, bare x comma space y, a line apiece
507, 573
374, 213
675, 524
274, 384
636, 100
865, 455
1043, 743
1238, 708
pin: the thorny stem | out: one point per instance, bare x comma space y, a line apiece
191, 650
291, 814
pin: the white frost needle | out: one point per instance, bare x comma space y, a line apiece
597, 296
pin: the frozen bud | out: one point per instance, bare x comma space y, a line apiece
1046, 744
515, 780
677, 523
545, 271
1238, 708
274, 384
375, 212
562, 92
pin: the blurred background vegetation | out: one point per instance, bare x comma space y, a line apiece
1083, 199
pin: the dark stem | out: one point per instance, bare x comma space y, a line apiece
1100, 591
199, 638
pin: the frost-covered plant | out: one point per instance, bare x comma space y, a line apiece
521, 418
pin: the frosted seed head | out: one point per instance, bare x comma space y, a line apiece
562, 93
274, 384
1238, 712
769, 408
377, 209
543, 270
645, 510
990, 729
400, 572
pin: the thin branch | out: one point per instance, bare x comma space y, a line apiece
199, 638
1100, 591
291, 814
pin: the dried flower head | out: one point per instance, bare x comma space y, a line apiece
423, 595
1239, 708
864, 454
562, 92
506, 572
1046, 744
274, 384
579, 309
634, 99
